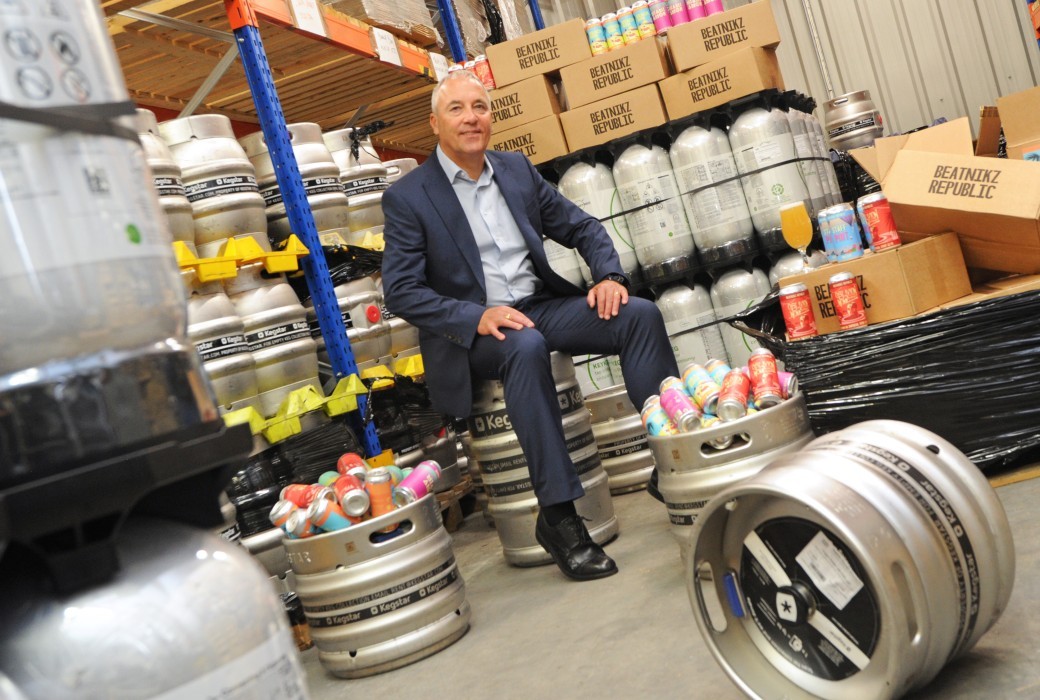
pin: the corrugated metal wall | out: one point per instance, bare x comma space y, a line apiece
920, 59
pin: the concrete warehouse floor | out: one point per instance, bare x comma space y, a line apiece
536, 634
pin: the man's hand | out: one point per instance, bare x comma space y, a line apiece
607, 297
502, 317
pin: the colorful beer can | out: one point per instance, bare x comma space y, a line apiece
328, 516
351, 495
381, 494
305, 494
707, 396
720, 443
840, 231
765, 379
482, 68
629, 29
597, 37
280, 513
349, 460
695, 9
328, 478
879, 227
655, 420
718, 370
470, 65
419, 483
796, 307
612, 31
693, 375
359, 473
395, 474
713, 7
788, 384
677, 12
644, 20
672, 383
848, 304
733, 401
681, 409
659, 14
298, 527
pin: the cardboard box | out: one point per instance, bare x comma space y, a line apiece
698, 42
600, 77
541, 52
613, 117
741, 73
1020, 117
935, 184
540, 140
895, 283
522, 103
988, 142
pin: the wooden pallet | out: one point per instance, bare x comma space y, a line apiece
450, 503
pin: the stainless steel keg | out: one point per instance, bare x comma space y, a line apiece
364, 177
564, 261
621, 439
792, 264
891, 557
375, 604
683, 308
166, 176
593, 373
466, 442
692, 468
441, 449
360, 305
734, 291
852, 121
396, 169
188, 615
320, 176
219, 181
278, 335
507, 481
220, 339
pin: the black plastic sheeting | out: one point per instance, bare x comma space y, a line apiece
346, 264
971, 374
403, 414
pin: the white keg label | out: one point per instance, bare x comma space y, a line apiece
766, 191
715, 206
312, 188
563, 261
829, 570
271, 671
74, 199
365, 185
220, 187
764, 556
592, 375
222, 347
169, 186
605, 204
276, 335
697, 346
657, 220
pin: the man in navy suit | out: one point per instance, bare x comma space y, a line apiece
464, 262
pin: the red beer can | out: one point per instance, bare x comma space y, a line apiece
848, 304
348, 461
483, 70
765, 380
734, 395
797, 309
876, 216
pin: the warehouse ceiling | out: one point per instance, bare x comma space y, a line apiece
167, 59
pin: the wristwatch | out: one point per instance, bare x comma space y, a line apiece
615, 277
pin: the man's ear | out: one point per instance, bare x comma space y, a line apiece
433, 125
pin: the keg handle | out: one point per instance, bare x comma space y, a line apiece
708, 451
840, 101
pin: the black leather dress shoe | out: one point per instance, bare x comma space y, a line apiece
573, 550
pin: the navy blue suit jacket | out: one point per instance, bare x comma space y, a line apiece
432, 275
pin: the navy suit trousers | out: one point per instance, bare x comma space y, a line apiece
521, 361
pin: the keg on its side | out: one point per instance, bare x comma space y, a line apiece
320, 175
692, 468
219, 180
892, 557
852, 121
278, 335
374, 604
621, 437
507, 481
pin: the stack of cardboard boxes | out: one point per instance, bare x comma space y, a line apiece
699, 66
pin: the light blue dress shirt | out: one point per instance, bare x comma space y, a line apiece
508, 271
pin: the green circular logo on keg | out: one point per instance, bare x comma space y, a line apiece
133, 234
777, 189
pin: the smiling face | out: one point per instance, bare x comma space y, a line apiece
462, 121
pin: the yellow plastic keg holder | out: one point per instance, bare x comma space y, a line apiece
286, 422
238, 252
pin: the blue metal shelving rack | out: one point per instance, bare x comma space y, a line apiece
287, 172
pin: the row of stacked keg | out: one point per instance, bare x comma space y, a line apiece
708, 194
258, 342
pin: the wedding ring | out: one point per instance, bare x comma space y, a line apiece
617, 294
507, 316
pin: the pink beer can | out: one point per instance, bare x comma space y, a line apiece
417, 484
695, 9
659, 14
681, 409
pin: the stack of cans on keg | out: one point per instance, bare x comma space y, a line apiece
351, 494
707, 395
